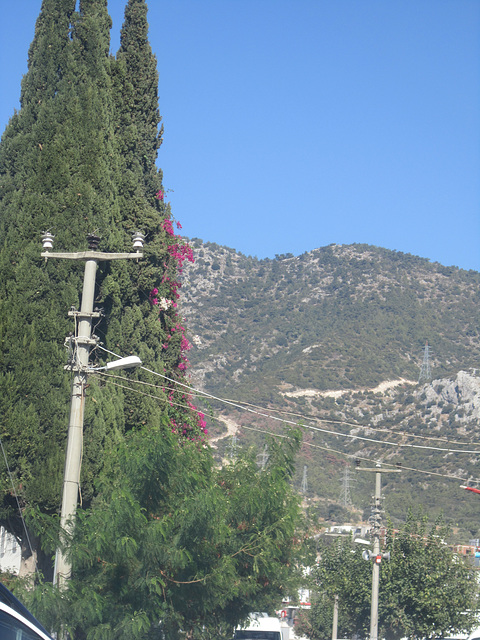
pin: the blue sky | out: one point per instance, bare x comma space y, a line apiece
294, 124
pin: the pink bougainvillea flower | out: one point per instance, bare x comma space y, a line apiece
159, 195
179, 226
168, 227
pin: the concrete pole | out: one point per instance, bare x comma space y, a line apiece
376, 553
73, 458
83, 342
335, 618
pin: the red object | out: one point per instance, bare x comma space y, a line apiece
470, 489
378, 559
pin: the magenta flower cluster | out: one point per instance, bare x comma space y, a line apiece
191, 425
181, 252
189, 430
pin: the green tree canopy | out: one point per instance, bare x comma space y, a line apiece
79, 157
426, 590
172, 538
164, 540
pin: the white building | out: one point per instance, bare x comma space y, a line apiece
10, 552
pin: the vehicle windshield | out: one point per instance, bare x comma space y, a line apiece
13, 629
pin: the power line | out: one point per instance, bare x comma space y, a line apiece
356, 456
353, 456
205, 394
200, 395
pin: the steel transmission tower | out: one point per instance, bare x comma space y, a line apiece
263, 458
425, 371
345, 498
304, 480
232, 452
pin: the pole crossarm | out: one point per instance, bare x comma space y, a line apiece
92, 255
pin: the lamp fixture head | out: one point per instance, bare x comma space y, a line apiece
124, 363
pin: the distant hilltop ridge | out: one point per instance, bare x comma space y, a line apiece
337, 317
338, 335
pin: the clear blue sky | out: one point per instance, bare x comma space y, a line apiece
294, 124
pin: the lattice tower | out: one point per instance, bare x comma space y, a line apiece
345, 498
425, 371
304, 480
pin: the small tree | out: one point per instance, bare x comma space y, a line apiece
426, 590
173, 543
429, 590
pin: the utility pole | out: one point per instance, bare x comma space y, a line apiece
335, 617
83, 341
376, 555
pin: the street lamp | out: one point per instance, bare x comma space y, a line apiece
124, 363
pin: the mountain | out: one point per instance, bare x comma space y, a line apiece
335, 339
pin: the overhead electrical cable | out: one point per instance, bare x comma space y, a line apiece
355, 456
359, 457
247, 405
311, 427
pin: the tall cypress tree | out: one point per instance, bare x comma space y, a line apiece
80, 156
142, 299
167, 537
35, 194
57, 170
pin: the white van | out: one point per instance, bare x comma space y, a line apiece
475, 634
259, 627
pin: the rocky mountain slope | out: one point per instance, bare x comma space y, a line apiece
334, 339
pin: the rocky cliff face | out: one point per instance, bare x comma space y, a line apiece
462, 392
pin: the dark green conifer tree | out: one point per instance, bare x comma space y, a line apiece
162, 527
142, 299
79, 157
36, 192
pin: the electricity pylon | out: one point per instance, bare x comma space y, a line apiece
304, 480
345, 498
425, 371
233, 447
